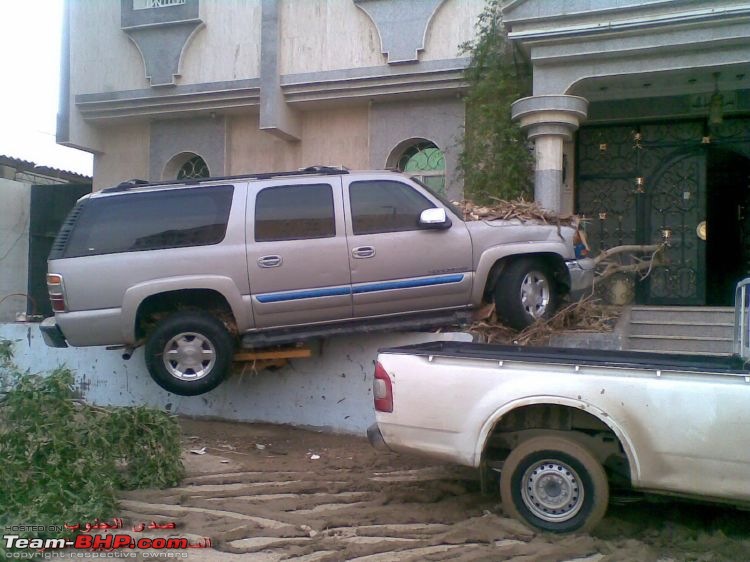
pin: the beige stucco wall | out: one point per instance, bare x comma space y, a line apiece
319, 35
124, 156
453, 24
251, 150
331, 137
336, 137
227, 47
105, 59
102, 59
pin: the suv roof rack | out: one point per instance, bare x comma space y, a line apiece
310, 170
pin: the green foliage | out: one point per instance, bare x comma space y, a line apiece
495, 160
63, 460
147, 444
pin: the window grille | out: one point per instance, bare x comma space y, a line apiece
194, 168
426, 162
146, 4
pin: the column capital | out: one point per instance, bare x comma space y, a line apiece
558, 115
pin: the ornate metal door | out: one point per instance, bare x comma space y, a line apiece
676, 205
637, 183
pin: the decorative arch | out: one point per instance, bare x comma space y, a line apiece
401, 24
161, 32
421, 158
172, 139
186, 165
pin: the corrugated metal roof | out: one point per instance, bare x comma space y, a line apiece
32, 167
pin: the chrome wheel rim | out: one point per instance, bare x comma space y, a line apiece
552, 491
189, 356
535, 294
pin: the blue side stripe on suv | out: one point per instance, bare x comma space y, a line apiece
308, 294
407, 283
357, 289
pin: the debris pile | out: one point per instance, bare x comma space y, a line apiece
519, 209
588, 314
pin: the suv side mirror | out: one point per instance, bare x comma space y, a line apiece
434, 218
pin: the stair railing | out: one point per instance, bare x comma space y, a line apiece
741, 319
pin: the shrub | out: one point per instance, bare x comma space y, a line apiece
495, 160
63, 460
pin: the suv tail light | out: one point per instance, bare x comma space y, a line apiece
382, 390
56, 292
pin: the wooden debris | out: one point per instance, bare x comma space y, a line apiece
277, 353
518, 209
587, 314
260, 359
606, 266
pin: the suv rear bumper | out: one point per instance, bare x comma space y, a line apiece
581, 277
51, 333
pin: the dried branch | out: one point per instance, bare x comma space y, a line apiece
607, 269
587, 314
629, 248
518, 209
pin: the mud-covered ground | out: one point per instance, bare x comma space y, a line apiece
266, 493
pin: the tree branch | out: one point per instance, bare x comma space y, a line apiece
630, 248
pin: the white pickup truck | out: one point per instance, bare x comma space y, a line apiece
563, 426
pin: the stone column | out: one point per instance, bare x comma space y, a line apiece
549, 121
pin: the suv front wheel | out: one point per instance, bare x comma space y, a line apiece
525, 292
189, 353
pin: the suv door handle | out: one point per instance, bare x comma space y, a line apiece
363, 252
270, 261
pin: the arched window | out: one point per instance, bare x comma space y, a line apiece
193, 168
185, 166
425, 161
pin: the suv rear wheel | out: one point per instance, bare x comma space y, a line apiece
189, 353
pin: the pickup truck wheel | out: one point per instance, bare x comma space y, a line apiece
554, 484
525, 293
189, 353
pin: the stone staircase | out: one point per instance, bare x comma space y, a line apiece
681, 329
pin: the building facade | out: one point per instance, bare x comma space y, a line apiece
161, 89
640, 115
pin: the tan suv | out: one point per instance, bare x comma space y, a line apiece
194, 269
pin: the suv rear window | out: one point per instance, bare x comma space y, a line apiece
170, 218
294, 212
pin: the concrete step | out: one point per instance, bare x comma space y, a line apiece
682, 314
680, 344
674, 328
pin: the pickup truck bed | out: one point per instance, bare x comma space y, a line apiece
573, 356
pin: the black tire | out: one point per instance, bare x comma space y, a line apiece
189, 353
525, 292
554, 484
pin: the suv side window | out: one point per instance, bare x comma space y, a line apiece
385, 206
294, 212
168, 218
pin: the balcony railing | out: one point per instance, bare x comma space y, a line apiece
146, 4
